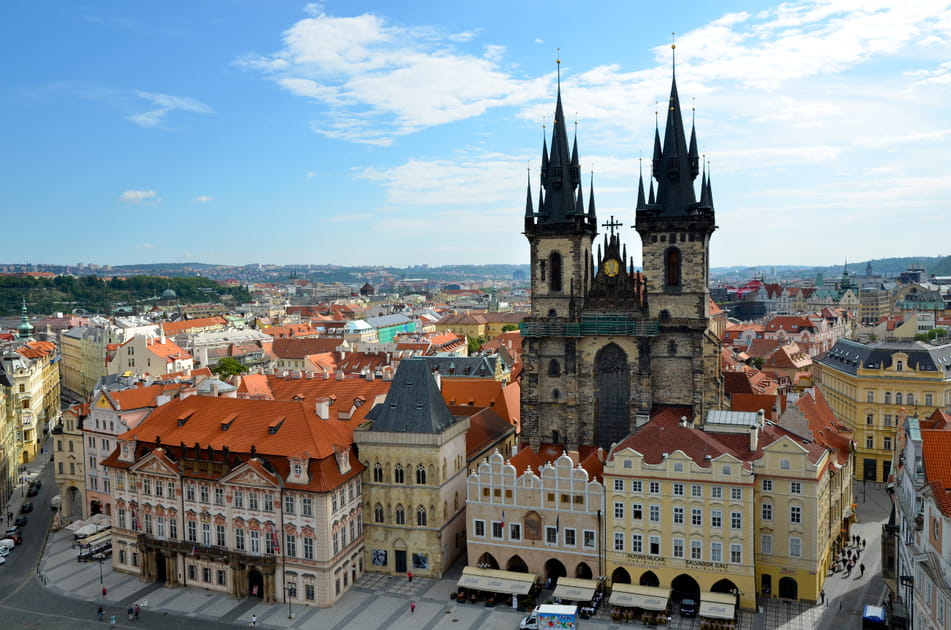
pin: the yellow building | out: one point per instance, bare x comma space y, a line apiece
869, 385
83, 351
70, 466
479, 324
8, 433
33, 367
739, 506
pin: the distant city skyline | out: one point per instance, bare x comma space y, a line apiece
373, 133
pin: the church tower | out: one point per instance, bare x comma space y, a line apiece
605, 345
675, 229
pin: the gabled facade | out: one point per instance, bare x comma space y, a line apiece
145, 356
70, 471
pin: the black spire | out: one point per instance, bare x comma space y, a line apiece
640, 186
592, 215
692, 154
529, 211
675, 173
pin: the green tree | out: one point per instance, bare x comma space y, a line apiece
475, 344
227, 367
509, 327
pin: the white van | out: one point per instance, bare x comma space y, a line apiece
7, 544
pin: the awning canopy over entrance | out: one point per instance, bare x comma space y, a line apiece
575, 589
717, 605
637, 596
496, 581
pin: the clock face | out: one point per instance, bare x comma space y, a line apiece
611, 267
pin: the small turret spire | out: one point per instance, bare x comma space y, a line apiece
640, 184
529, 211
592, 215
650, 199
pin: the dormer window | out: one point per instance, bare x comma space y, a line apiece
298, 470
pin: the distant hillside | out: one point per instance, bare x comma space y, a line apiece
888, 267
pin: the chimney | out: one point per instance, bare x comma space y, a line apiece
754, 430
322, 408
339, 375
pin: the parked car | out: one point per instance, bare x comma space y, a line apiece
26, 507
688, 607
12, 531
20, 521
16, 538
33, 491
37, 482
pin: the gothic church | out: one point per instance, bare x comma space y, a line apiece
604, 344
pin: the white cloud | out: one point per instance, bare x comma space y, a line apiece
139, 196
164, 104
147, 246
538, 40
381, 81
204, 199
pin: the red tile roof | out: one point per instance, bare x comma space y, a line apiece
935, 446
174, 328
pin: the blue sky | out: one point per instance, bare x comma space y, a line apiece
399, 133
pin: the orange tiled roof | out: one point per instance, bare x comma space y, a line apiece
174, 328
935, 446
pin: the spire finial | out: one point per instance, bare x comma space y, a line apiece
673, 48
558, 64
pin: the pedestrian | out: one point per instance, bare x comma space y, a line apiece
99, 614
412, 606
131, 612
822, 596
848, 569
112, 620
862, 569
409, 576
254, 621
104, 591
863, 543
137, 609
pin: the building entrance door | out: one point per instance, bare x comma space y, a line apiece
400, 560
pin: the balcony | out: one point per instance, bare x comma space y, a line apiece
219, 554
590, 324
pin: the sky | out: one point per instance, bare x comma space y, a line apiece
404, 133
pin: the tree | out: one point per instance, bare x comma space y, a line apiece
509, 327
227, 367
475, 344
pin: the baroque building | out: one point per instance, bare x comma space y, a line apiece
604, 344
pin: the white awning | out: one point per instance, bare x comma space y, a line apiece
637, 596
495, 581
717, 605
575, 590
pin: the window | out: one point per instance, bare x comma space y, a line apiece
678, 548
222, 580
898, 398
310, 592
736, 520
159, 489
192, 531
400, 515
288, 504
252, 500
238, 498
220, 535
308, 548
121, 513
239, 539
869, 441
929, 400
398, 473
570, 537
290, 545
696, 550
696, 517
588, 538
146, 486
421, 475
192, 572
795, 547
307, 506
716, 518
333, 502
736, 494
887, 419
795, 514
203, 494
655, 513
736, 553
678, 489
716, 492
148, 524
716, 552
497, 529
869, 419
637, 511
887, 443
767, 511
672, 267
767, 485
696, 491
268, 503
377, 513
888, 398
206, 534
618, 510
255, 542
784, 464
637, 543
618, 541
655, 487
619, 485
378, 473
795, 487
869, 396
478, 529
727, 470
654, 542
554, 282
678, 515
173, 528
515, 531
171, 489
766, 543
637, 486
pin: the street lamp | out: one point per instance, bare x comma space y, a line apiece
101, 558
287, 596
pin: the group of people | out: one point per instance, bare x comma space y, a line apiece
849, 557
133, 612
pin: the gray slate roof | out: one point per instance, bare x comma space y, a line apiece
413, 404
847, 355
